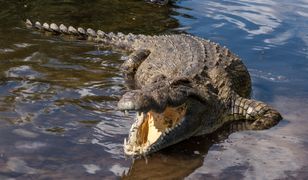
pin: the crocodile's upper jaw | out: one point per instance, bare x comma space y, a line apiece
148, 132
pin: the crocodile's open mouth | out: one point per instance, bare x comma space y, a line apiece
150, 128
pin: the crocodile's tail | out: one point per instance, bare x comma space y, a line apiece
114, 39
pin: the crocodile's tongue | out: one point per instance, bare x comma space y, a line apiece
150, 127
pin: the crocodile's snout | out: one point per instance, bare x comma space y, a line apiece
135, 100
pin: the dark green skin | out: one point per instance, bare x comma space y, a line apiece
175, 69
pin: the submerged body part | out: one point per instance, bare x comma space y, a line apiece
185, 86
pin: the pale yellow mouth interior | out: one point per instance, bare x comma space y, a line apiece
155, 124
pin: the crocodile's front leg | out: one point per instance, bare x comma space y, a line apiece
130, 66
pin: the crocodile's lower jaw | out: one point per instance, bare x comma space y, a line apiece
150, 128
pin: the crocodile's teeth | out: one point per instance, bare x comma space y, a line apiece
140, 118
148, 143
126, 113
168, 130
125, 142
134, 148
141, 149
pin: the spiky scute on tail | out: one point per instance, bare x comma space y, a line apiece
62, 29
119, 39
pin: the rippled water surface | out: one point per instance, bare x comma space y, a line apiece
58, 117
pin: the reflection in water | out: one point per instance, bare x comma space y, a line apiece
271, 154
277, 153
273, 22
181, 159
58, 96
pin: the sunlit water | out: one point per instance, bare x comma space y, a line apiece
58, 117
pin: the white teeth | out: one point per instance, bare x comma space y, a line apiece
167, 130
141, 150
146, 159
140, 118
125, 142
140, 115
126, 113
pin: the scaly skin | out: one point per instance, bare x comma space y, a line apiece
172, 70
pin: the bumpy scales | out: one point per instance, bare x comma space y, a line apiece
185, 86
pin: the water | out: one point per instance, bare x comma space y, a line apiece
58, 96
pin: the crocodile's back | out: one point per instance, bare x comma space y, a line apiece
171, 56
186, 56
226, 70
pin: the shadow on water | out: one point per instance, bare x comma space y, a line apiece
182, 159
58, 96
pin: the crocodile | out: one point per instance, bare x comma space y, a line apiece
184, 86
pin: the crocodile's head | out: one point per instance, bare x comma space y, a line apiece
157, 126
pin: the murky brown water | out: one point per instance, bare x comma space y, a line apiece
58, 96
